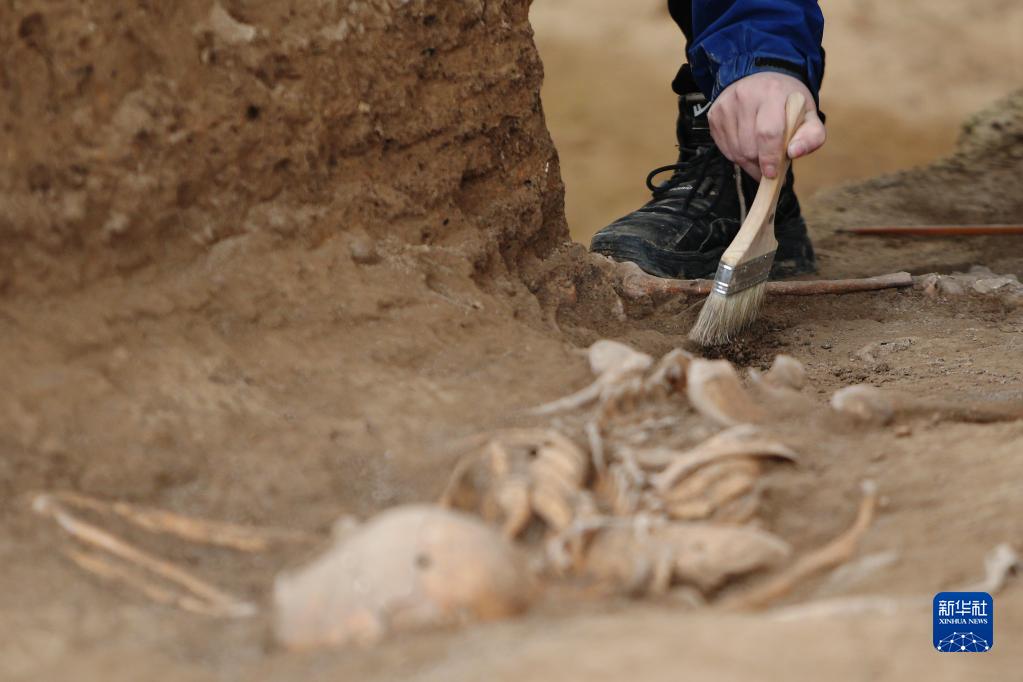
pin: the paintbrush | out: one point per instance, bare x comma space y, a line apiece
741, 279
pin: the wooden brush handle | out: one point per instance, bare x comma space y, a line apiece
756, 236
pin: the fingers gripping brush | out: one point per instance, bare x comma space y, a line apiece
741, 279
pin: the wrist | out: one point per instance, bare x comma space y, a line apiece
744, 65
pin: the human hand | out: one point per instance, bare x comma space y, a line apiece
747, 122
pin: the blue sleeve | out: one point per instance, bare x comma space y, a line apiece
735, 38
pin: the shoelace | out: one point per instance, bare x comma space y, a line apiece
676, 179
699, 160
700, 156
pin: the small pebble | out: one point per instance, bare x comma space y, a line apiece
363, 250
950, 287
864, 403
826, 345
1013, 300
991, 284
787, 372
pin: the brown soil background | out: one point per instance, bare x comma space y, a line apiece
901, 77
278, 276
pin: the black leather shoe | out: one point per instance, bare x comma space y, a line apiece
693, 216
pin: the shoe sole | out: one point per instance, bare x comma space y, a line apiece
675, 265
656, 261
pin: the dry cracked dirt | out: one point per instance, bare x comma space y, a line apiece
260, 264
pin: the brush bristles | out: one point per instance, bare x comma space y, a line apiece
723, 317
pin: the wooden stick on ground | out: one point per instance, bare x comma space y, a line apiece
636, 284
836, 552
936, 230
895, 280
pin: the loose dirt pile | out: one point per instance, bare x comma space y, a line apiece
275, 264
138, 135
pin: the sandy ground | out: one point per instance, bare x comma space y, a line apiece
275, 368
950, 487
900, 79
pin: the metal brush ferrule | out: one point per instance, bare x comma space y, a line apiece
731, 280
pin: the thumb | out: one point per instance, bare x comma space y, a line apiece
809, 138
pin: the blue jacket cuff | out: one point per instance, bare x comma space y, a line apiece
742, 65
737, 38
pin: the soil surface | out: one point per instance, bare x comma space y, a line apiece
262, 266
